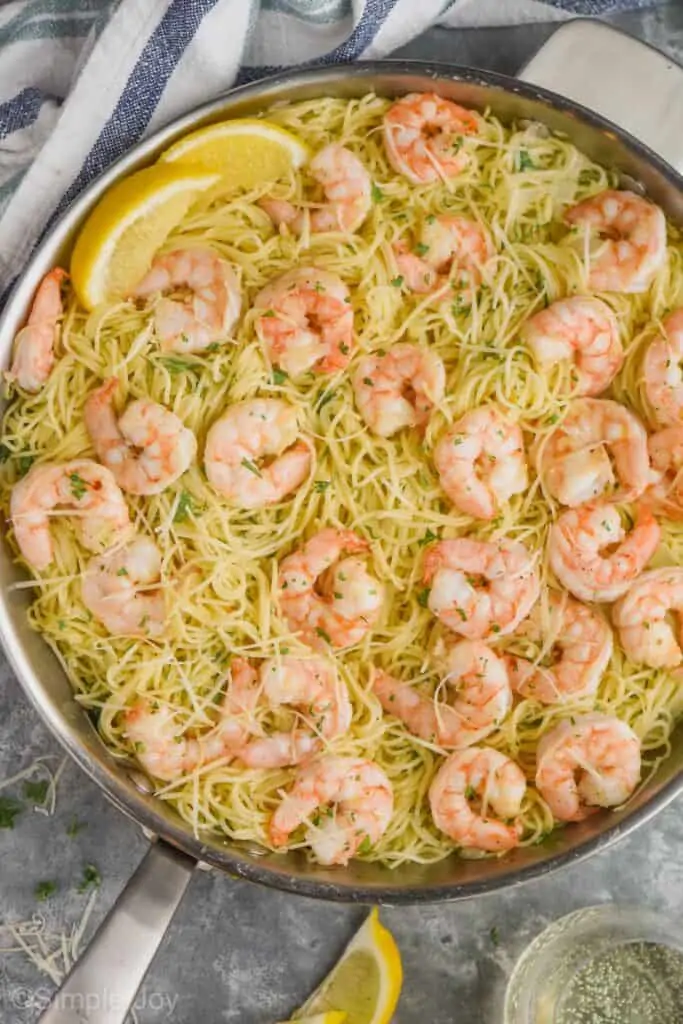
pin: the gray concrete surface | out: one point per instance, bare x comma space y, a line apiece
240, 953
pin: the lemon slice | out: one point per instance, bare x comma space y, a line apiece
130, 222
245, 152
331, 1017
366, 982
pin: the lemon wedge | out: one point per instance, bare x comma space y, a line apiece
245, 152
118, 240
331, 1017
366, 981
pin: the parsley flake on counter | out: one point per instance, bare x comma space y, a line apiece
9, 809
44, 890
36, 792
91, 878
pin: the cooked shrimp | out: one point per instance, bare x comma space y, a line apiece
121, 589
583, 329
146, 449
34, 345
417, 274
248, 433
423, 137
588, 762
466, 785
90, 494
454, 249
347, 187
327, 599
166, 753
307, 323
456, 243
666, 451
480, 588
481, 462
211, 309
482, 698
344, 802
631, 240
399, 389
643, 617
577, 638
574, 463
663, 373
592, 555
311, 685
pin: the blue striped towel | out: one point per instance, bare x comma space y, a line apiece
83, 80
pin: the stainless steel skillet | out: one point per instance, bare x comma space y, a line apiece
590, 62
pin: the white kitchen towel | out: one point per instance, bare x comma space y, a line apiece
83, 80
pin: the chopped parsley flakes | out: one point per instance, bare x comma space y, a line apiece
184, 508
78, 486
36, 792
252, 467
91, 878
9, 809
44, 890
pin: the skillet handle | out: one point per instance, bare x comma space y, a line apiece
102, 986
628, 82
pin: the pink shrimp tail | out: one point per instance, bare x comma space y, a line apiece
349, 541
56, 277
281, 212
102, 395
432, 561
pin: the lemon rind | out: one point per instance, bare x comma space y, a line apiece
298, 151
139, 207
374, 938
